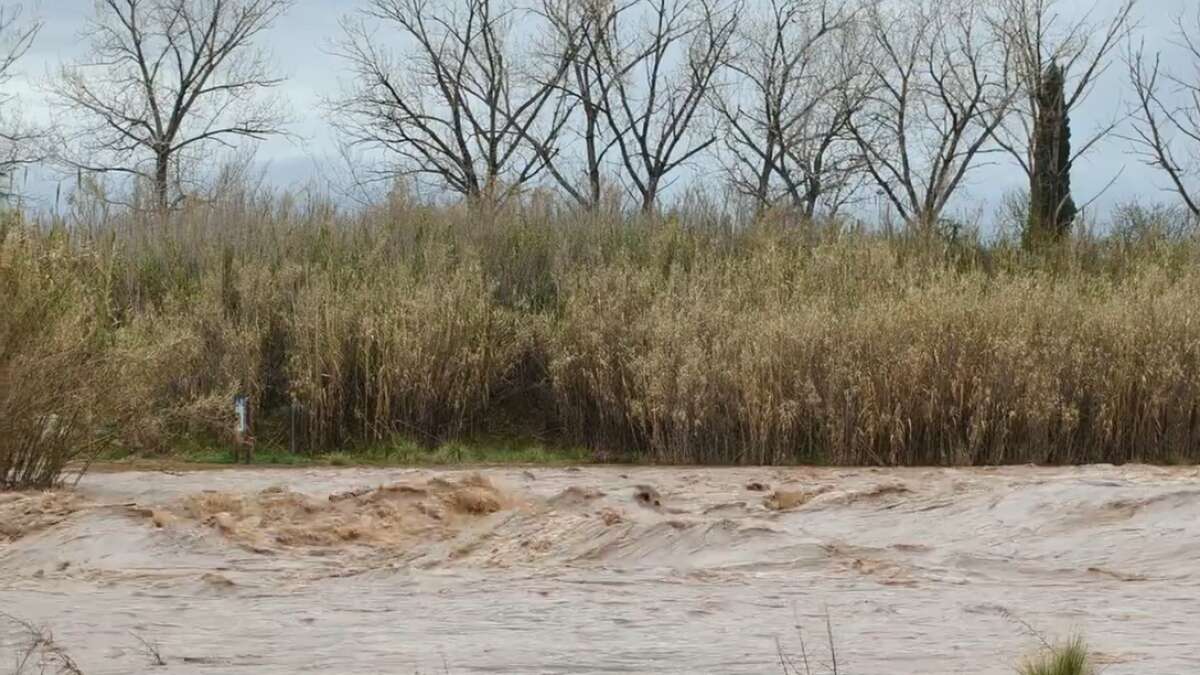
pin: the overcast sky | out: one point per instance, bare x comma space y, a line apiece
299, 43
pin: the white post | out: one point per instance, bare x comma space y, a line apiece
241, 410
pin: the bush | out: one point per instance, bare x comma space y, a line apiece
55, 394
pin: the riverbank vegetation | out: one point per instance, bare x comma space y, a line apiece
685, 338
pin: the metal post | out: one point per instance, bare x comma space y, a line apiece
241, 408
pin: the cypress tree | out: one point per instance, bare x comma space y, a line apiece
1051, 209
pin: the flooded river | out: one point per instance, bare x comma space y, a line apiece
607, 570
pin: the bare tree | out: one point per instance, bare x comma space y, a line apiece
579, 28
636, 87
16, 138
454, 106
166, 81
654, 79
1037, 34
798, 76
936, 100
1166, 128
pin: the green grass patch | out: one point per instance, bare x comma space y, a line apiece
398, 452
267, 457
406, 452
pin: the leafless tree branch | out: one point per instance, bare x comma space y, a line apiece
936, 100
799, 74
17, 139
1166, 128
655, 79
166, 80
1036, 33
455, 105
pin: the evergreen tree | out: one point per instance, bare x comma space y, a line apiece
1051, 209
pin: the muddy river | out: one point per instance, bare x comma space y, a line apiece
606, 570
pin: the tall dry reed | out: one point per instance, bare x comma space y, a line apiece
680, 339
393, 353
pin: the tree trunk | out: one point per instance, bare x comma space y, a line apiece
650, 196
762, 189
162, 188
812, 194
592, 116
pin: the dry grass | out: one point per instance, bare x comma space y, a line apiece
34, 651
397, 354
852, 359
54, 365
684, 339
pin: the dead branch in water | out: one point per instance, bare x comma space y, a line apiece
40, 654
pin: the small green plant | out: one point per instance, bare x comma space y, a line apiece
1069, 658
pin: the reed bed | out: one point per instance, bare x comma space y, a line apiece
681, 339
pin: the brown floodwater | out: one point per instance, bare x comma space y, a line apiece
607, 569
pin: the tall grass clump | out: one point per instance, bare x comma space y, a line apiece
687, 338
197, 347
390, 352
1070, 658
